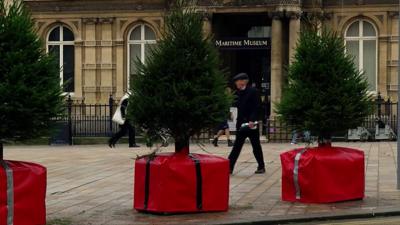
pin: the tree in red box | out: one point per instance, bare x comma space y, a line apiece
30, 95
180, 91
326, 94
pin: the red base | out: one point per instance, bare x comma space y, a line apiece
29, 191
176, 184
325, 174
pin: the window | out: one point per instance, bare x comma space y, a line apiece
361, 42
259, 32
60, 43
141, 39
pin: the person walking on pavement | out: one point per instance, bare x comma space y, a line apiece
223, 128
124, 125
248, 102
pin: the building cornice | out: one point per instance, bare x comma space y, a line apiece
88, 6
68, 6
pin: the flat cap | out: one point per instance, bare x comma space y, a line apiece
241, 76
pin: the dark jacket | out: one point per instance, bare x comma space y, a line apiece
124, 106
248, 102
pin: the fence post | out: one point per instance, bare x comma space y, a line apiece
111, 106
69, 105
268, 129
388, 108
379, 103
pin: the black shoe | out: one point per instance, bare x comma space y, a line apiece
230, 143
215, 142
134, 146
260, 171
110, 143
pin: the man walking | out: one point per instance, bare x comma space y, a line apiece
126, 126
248, 102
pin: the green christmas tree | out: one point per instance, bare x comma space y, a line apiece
30, 92
326, 93
180, 88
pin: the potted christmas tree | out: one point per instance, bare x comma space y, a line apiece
326, 94
30, 95
180, 91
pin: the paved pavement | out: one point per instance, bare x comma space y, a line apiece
94, 185
370, 221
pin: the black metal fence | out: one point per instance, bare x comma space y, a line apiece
85, 120
95, 120
92, 120
386, 111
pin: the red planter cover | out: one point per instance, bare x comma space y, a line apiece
181, 183
28, 191
325, 174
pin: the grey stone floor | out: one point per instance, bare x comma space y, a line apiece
94, 185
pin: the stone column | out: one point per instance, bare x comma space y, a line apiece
89, 59
294, 33
120, 68
207, 23
106, 62
120, 61
382, 67
276, 61
78, 70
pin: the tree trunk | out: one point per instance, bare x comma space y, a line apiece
182, 145
325, 140
1, 150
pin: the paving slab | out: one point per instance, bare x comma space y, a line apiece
94, 185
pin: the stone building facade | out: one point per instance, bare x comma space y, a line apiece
96, 41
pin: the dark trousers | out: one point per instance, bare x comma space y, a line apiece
126, 127
254, 137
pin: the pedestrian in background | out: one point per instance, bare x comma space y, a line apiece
124, 124
223, 128
295, 135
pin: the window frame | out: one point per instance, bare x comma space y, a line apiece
142, 42
61, 43
360, 39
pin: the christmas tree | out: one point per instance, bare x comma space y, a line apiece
180, 89
326, 93
30, 92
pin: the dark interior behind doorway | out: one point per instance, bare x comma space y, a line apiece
255, 62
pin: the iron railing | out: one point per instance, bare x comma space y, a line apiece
95, 120
386, 111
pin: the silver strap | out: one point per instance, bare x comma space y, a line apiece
10, 192
296, 173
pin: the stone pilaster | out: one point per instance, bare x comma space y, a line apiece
294, 33
121, 66
276, 60
78, 70
207, 24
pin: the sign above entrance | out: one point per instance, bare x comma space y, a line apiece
243, 43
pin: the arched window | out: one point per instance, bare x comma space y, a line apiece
361, 42
141, 39
60, 42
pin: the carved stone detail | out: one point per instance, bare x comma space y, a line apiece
107, 20
393, 14
90, 20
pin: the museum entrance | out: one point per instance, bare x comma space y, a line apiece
244, 42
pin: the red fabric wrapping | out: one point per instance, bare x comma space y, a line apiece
173, 183
326, 174
29, 193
